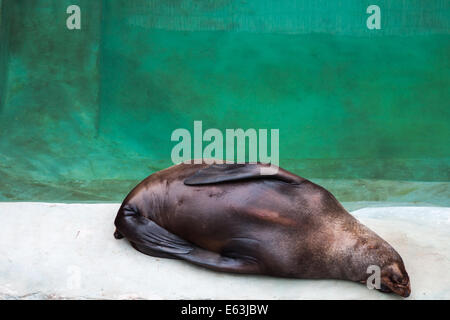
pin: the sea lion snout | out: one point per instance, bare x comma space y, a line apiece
394, 278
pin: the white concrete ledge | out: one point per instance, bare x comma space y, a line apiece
58, 251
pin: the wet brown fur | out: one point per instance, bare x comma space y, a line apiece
283, 229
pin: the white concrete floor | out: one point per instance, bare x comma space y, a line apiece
57, 251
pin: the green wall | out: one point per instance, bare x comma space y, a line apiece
85, 114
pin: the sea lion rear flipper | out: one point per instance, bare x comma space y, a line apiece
218, 173
152, 239
147, 234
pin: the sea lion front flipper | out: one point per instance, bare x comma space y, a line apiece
151, 252
218, 262
218, 173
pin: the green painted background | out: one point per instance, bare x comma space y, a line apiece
85, 114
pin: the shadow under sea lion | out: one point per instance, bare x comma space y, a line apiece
230, 217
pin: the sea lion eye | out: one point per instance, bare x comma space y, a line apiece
396, 278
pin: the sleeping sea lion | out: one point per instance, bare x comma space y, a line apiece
232, 218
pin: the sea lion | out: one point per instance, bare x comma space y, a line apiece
230, 217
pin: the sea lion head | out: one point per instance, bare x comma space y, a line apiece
394, 278
393, 275
349, 249
367, 249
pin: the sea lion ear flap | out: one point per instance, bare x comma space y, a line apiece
218, 173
